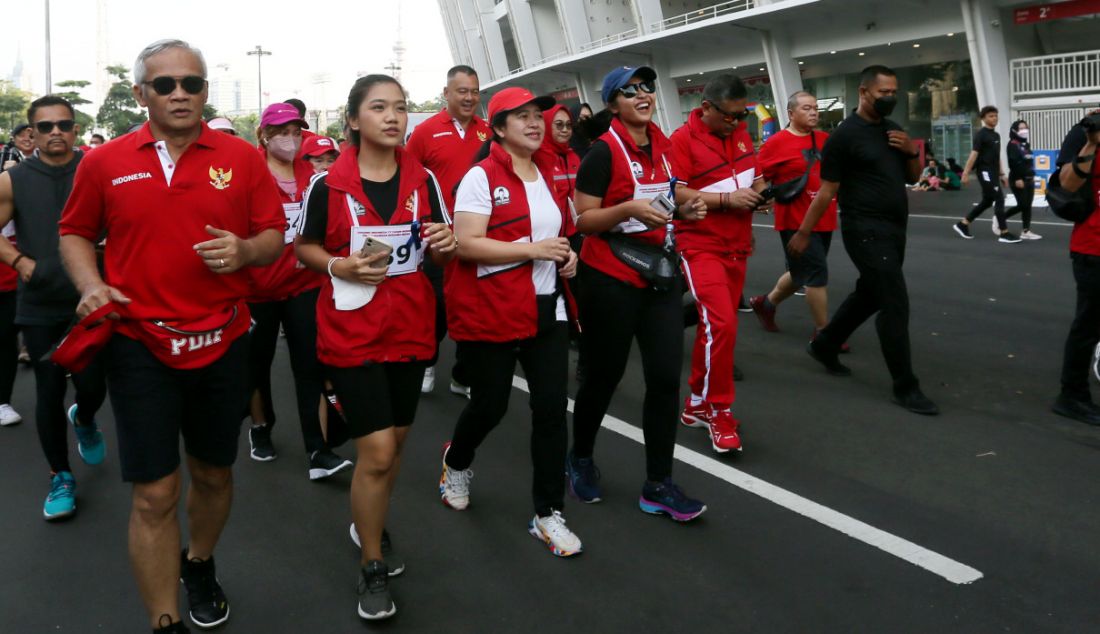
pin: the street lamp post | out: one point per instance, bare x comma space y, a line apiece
259, 52
49, 70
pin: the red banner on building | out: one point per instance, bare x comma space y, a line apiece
1057, 11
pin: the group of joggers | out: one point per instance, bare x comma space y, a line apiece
184, 252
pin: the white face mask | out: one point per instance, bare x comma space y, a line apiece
1022, 133
284, 147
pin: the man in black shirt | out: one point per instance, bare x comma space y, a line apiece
985, 160
867, 163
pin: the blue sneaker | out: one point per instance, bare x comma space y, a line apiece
89, 440
61, 502
668, 499
584, 478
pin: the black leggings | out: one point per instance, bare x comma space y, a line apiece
298, 315
50, 386
613, 314
458, 372
992, 196
545, 362
1024, 196
9, 345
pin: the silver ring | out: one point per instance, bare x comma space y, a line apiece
221, 263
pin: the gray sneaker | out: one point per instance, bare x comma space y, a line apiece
394, 562
375, 602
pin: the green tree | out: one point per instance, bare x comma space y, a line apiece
209, 112
246, 125
119, 110
72, 93
13, 108
432, 105
335, 130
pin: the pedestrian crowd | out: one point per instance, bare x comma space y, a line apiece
163, 268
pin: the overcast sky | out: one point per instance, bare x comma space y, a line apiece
339, 37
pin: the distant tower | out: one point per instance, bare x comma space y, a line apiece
398, 62
102, 83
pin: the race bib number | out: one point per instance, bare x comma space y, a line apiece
641, 192
293, 213
406, 256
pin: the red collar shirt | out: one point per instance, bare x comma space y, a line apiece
154, 210
443, 146
1086, 235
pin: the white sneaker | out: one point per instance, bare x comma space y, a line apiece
1028, 235
460, 389
996, 226
428, 384
552, 531
1096, 362
454, 484
9, 416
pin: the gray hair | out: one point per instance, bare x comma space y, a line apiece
792, 101
159, 47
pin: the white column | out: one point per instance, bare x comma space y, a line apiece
668, 97
472, 50
782, 71
988, 57
574, 22
494, 43
523, 30
646, 12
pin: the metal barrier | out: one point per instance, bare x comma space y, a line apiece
610, 39
1049, 126
1056, 74
714, 11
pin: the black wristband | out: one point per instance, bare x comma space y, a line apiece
16, 260
1082, 174
1085, 159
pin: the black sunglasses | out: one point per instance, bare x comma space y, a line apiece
46, 127
631, 90
730, 117
164, 86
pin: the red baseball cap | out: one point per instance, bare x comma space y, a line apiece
318, 145
280, 113
511, 98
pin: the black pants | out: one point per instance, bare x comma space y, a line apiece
545, 362
613, 315
1024, 196
878, 253
458, 371
9, 345
992, 196
50, 385
1085, 331
298, 316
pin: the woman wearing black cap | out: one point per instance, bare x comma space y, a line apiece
619, 184
1021, 176
505, 304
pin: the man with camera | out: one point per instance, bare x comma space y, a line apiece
867, 161
1080, 172
714, 155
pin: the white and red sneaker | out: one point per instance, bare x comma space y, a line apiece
695, 415
723, 432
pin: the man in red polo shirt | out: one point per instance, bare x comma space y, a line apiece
446, 144
713, 154
186, 208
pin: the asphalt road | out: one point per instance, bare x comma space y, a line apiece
996, 483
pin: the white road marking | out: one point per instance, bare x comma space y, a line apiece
953, 218
904, 549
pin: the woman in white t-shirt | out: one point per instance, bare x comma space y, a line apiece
505, 303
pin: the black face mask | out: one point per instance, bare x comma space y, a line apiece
884, 106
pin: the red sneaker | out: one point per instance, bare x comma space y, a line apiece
695, 415
723, 432
763, 313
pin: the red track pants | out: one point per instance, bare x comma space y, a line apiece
716, 280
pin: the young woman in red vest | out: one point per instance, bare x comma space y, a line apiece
618, 179
285, 293
505, 303
376, 313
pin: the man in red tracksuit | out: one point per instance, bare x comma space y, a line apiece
713, 154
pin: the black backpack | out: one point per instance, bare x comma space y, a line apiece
1076, 206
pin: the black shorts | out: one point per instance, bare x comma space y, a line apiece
377, 396
155, 404
812, 269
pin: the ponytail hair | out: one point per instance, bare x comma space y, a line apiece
498, 121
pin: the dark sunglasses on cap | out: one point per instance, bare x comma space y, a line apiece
730, 117
164, 86
631, 90
46, 127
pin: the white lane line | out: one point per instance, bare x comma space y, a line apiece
904, 549
935, 217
